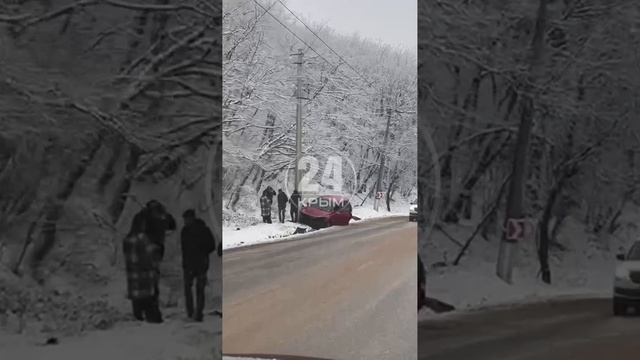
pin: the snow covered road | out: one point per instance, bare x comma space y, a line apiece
339, 294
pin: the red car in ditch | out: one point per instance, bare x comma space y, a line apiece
325, 211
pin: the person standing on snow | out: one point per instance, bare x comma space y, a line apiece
158, 221
197, 243
282, 205
293, 208
265, 207
142, 268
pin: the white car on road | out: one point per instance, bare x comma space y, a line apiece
626, 288
413, 211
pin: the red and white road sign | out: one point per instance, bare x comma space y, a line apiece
518, 229
515, 229
379, 195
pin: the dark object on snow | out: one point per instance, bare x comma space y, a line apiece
438, 306
197, 243
52, 341
300, 230
435, 305
355, 218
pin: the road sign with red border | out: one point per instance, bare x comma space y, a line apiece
515, 229
519, 229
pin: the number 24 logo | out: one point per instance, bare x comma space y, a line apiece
331, 176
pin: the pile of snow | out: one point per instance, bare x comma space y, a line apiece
260, 234
584, 268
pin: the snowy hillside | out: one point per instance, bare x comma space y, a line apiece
584, 267
346, 114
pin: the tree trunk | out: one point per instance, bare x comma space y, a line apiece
54, 207
543, 249
515, 198
123, 187
109, 169
235, 195
486, 160
390, 189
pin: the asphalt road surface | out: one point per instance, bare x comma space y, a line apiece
344, 293
582, 329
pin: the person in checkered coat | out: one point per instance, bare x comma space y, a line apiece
142, 260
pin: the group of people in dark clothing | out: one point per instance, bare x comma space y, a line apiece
144, 248
266, 202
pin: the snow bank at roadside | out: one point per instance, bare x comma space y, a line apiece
259, 234
584, 268
242, 229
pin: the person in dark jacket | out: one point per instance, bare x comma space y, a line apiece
141, 264
265, 207
158, 221
270, 193
294, 202
282, 205
197, 243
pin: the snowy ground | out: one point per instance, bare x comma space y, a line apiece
176, 339
585, 268
245, 228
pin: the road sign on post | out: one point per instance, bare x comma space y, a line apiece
379, 195
516, 231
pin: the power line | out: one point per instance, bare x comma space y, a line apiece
327, 45
304, 42
291, 31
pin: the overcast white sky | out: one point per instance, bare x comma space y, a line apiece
392, 22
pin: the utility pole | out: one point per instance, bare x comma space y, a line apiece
299, 63
515, 198
299, 54
376, 202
